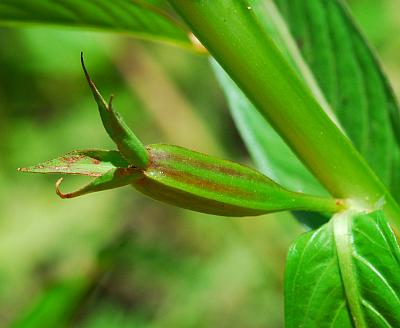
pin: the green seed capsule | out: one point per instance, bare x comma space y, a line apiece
203, 183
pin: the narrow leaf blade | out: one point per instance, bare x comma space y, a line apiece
351, 79
139, 18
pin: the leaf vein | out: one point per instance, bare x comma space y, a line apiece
377, 273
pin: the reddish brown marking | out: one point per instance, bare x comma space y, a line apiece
72, 159
89, 174
161, 156
95, 161
339, 202
141, 181
121, 171
202, 183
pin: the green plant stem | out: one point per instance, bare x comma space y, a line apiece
229, 30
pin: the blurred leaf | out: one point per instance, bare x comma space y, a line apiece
137, 17
55, 307
345, 273
351, 80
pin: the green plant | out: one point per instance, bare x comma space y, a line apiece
328, 101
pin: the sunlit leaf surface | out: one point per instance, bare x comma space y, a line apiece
345, 273
351, 79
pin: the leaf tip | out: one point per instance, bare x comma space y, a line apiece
110, 103
31, 169
85, 71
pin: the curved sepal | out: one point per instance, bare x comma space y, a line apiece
112, 179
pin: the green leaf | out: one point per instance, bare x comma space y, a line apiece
136, 17
344, 274
351, 79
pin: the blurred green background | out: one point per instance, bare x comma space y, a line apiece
116, 258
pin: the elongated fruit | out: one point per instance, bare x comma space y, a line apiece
207, 184
176, 175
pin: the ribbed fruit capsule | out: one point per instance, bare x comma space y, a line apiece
203, 183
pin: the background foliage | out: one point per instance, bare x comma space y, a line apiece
117, 259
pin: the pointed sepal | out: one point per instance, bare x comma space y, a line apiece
128, 144
92, 163
108, 167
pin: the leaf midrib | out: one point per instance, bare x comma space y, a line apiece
343, 240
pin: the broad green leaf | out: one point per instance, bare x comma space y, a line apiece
345, 274
351, 79
139, 18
